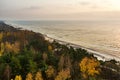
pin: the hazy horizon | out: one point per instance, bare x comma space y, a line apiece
59, 9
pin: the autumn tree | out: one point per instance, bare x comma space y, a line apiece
8, 47
1, 36
29, 76
38, 76
2, 48
50, 48
63, 75
50, 71
89, 67
18, 77
8, 33
15, 47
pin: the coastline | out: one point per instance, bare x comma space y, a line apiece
99, 55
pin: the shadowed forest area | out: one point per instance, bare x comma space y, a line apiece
26, 55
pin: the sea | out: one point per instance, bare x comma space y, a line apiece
102, 36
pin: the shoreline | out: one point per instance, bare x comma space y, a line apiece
99, 55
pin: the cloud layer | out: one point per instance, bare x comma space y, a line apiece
44, 9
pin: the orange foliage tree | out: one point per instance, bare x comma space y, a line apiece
1, 36
29, 76
50, 71
38, 76
63, 75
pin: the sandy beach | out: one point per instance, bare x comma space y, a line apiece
99, 55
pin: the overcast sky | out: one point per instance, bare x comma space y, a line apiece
59, 9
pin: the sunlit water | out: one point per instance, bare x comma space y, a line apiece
101, 36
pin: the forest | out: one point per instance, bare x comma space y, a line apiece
26, 55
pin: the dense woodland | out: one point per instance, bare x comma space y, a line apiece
26, 55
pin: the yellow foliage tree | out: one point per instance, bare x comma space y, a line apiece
2, 49
50, 48
12, 47
29, 76
8, 47
50, 72
38, 76
18, 77
1, 36
16, 47
89, 67
8, 34
63, 75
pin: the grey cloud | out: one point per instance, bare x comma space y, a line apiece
33, 7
